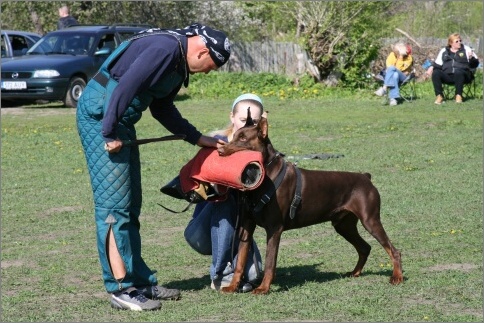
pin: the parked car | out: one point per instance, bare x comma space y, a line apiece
17, 42
59, 66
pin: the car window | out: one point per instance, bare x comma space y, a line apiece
107, 41
19, 43
68, 44
31, 40
45, 45
123, 35
77, 45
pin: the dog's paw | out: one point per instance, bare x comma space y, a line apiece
395, 280
260, 291
228, 289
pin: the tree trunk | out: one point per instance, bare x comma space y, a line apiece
36, 20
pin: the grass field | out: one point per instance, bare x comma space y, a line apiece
426, 160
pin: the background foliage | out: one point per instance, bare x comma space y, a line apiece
342, 37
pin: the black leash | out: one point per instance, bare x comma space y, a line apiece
252, 242
137, 142
172, 211
297, 194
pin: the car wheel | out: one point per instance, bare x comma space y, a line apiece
74, 91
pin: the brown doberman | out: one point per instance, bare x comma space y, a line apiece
291, 198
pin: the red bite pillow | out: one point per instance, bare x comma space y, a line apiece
243, 170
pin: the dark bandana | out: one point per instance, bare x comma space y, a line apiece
215, 40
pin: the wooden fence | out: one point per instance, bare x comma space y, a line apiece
271, 57
292, 60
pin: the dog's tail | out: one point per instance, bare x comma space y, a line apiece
367, 175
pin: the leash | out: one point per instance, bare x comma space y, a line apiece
297, 194
172, 211
137, 142
252, 242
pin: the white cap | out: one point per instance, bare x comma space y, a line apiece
246, 96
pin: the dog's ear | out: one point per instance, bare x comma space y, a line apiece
249, 122
264, 128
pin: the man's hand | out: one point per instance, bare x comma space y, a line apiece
113, 146
206, 141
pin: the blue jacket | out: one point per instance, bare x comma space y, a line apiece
153, 68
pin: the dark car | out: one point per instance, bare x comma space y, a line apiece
17, 42
59, 66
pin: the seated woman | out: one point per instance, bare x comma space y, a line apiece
452, 65
211, 231
399, 65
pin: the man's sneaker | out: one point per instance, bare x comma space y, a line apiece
393, 102
132, 299
225, 281
458, 98
439, 99
160, 292
381, 91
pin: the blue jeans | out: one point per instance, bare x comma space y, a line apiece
211, 231
393, 78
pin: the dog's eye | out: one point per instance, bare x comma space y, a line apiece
242, 138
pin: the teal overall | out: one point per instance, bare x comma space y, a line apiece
116, 178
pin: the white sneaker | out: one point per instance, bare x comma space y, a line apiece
393, 102
381, 91
160, 292
132, 299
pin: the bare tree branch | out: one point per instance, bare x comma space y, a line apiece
408, 36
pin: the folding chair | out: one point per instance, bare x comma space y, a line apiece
468, 92
407, 87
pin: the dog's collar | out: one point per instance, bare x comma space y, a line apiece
275, 156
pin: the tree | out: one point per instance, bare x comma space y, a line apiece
341, 37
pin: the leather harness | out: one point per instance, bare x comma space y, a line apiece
277, 182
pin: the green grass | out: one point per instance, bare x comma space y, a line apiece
426, 160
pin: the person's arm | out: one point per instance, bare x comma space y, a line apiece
168, 115
391, 60
437, 63
165, 111
471, 57
138, 77
438, 60
408, 65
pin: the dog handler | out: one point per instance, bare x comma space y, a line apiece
145, 71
